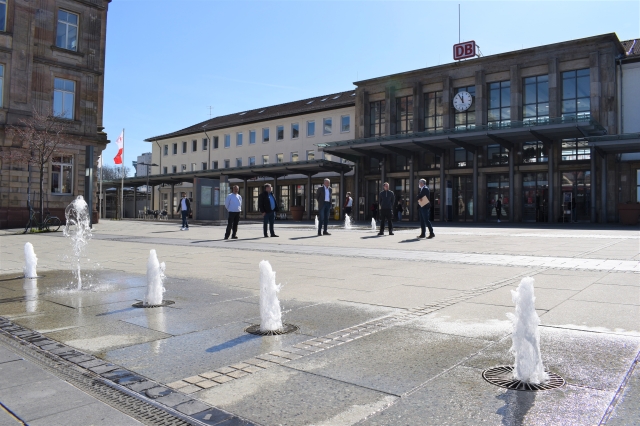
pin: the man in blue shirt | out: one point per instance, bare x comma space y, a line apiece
233, 203
268, 205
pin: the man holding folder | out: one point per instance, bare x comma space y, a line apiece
424, 209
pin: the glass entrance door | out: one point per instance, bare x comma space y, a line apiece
434, 190
576, 196
373, 189
463, 199
498, 189
535, 190
401, 191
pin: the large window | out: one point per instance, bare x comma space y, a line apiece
194, 145
63, 98
252, 161
575, 149
311, 155
295, 130
205, 144
184, 147
431, 161
279, 133
175, 148
238, 162
294, 157
265, 159
61, 174
166, 150
311, 128
499, 113
376, 118
1, 85
227, 141
279, 158
239, 139
215, 142
535, 102
576, 94
497, 155
3, 15
265, 134
404, 115
533, 152
466, 119
463, 158
252, 137
345, 123
327, 124
67, 32
433, 111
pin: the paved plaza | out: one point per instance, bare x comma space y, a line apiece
392, 330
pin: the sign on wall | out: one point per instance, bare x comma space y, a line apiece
464, 50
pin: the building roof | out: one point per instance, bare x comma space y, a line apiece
631, 47
304, 106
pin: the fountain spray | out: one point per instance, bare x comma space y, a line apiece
317, 222
77, 213
347, 222
30, 261
526, 336
270, 312
373, 225
155, 277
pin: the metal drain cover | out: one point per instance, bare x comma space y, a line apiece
143, 305
503, 376
286, 329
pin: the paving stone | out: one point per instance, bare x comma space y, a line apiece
142, 386
225, 370
190, 389
222, 379
192, 407
210, 374
60, 350
252, 369
211, 416
157, 392
92, 363
173, 399
239, 366
177, 385
81, 358
237, 374
193, 379
206, 384
101, 369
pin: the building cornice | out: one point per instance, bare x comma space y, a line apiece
52, 63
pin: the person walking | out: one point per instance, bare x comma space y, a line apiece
233, 203
399, 210
499, 208
387, 203
323, 196
424, 209
184, 209
348, 203
268, 205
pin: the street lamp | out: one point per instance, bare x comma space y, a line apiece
209, 141
147, 195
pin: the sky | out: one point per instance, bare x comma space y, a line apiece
172, 63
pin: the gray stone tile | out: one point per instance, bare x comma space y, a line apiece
96, 414
595, 316
18, 373
173, 399
167, 360
546, 298
394, 360
7, 420
595, 360
7, 356
627, 410
289, 397
609, 293
192, 407
462, 397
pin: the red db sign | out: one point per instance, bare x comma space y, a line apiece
464, 50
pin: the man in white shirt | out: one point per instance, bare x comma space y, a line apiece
348, 205
323, 196
233, 203
185, 209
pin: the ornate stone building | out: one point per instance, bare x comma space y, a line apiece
52, 58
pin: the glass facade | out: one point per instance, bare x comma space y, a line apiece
575, 150
499, 112
576, 94
376, 118
430, 161
534, 152
576, 196
497, 155
462, 158
535, 101
463, 198
433, 111
498, 189
404, 115
535, 190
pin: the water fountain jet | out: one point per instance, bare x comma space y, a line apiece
30, 261
373, 225
317, 223
348, 222
77, 213
155, 287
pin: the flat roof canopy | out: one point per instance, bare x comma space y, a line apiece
308, 168
470, 139
617, 144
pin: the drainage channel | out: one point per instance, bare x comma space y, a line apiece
113, 385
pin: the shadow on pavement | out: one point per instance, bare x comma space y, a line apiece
304, 238
233, 342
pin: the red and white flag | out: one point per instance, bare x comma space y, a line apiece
120, 142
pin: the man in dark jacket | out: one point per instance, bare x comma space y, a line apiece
184, 207
323, 196
268, 205
387, 202
424, 211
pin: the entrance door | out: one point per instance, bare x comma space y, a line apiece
535, 190
463, 199
207, 198
576, 196
434, 190
498, 189
373, 189
401, 191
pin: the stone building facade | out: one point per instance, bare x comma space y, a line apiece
52, 58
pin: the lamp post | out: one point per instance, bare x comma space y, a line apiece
209, 141
147, 195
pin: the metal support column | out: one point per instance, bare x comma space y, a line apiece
552, 180
153, 197
173, 208
412, 180
443, 191
275, 192
594, 178
135, 202
342, 194
245, 198
603, 189
512, 199
381, 176
475, 186
356, 187
309, 199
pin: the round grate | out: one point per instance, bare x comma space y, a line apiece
286, 329
503, 376
143, 305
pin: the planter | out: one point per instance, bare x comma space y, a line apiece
629, 213
297, 212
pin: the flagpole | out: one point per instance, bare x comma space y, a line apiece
122, 181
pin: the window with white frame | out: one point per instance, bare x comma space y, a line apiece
183, 168
252, 137
294, 157
1, 85
184, 147
265, 159
311, 155
64, 92
67, 31
166, 150
239, 139
214, 165
3, 15
227, 141
295, 130
62, 174
227, 164
311, 128
194, 145
252, 161
204, 165
265, 134
174, 169
279, 133
345, 123
175, 148
238, 162
205, 144
164, 170
193, 167
279, 158
326, 126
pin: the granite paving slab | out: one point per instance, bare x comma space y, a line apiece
585, 315
95, 414
627, 409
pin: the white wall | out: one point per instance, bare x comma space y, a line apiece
142, 170
631, 97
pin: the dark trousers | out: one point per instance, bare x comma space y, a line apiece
498, 213
386, 215
185, 216
324, 213
269, 218
424, 213
232, 224
347, 210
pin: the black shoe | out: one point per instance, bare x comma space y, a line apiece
273, 235
380, 233
326, 233
421, 236
226, 237
391, 233
431, 236
319, 234
234, 238
266, 236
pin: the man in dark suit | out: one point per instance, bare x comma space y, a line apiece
268, 205
424, 211
184, 207
323, 196
387, 201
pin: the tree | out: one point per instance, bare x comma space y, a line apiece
113, 172
35, 140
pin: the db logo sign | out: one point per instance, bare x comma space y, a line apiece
464, 50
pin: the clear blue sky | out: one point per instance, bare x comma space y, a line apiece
169, 60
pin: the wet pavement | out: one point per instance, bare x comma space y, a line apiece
393, 330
